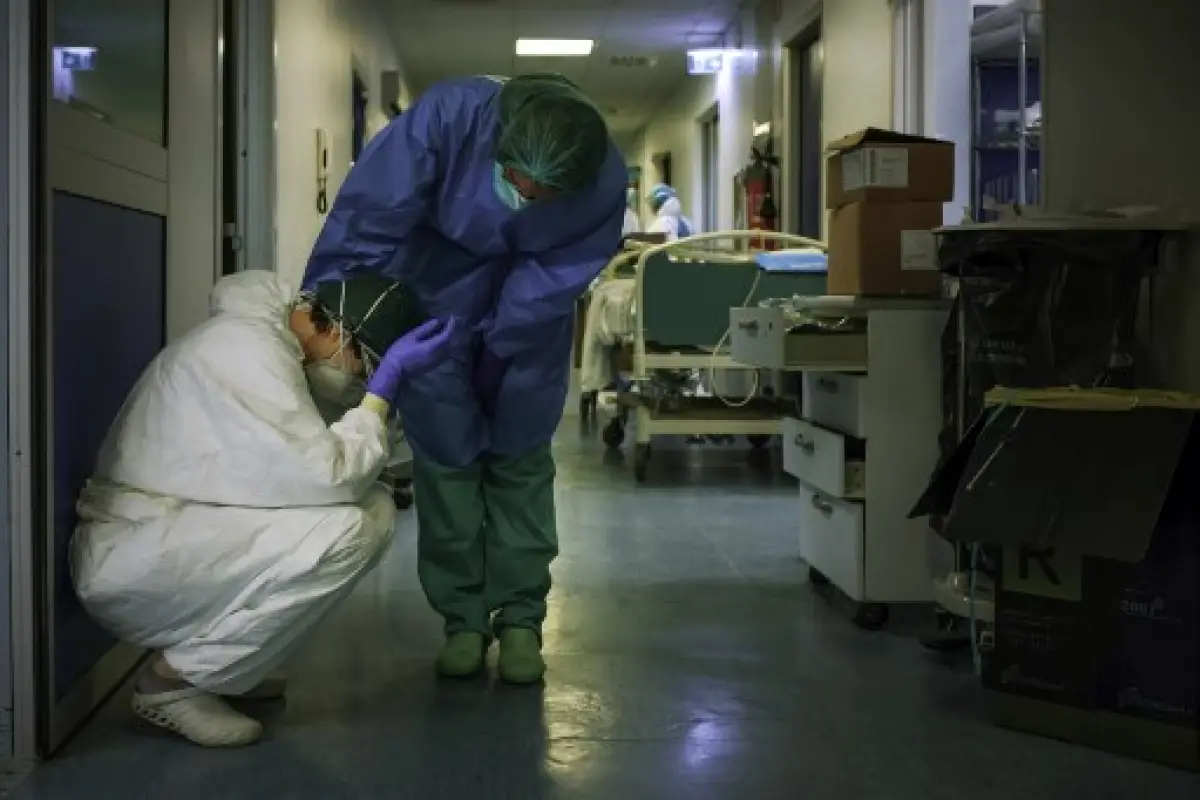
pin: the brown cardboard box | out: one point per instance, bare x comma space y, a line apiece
879, 165
865, 253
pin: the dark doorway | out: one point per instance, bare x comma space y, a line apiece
808, 74
358, 96
231, 150
662, 164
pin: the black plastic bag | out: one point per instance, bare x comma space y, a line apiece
1048, 308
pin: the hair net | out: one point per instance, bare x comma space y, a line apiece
551, 132
660, 194
374, 311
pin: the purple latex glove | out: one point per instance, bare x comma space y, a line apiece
410, 355
489, 374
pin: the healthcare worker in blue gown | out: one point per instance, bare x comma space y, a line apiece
496, 202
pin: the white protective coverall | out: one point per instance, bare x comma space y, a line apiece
668, 218
631, 224
225, 517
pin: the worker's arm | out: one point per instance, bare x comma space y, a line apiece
544, 287
386, 193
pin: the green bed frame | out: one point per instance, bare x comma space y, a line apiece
686, 301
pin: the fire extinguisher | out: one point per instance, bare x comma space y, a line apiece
759, 179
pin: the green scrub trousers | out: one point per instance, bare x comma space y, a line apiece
486, 537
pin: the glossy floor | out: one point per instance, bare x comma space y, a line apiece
688, 657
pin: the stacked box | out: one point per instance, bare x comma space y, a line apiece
885, 191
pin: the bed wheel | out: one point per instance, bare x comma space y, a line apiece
641, 460
402, 497
614, 433
871, 616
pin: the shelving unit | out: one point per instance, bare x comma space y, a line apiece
1006, 45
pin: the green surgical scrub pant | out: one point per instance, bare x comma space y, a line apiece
486, 537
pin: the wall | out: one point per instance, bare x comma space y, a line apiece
318, 45
945, 63
193, 161
6, 684
1121, 129
857, 91
735, 91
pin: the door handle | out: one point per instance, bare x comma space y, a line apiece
806, 445
822, 506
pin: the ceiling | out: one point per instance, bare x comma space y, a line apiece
444, 38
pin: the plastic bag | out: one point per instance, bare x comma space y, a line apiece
1047, 308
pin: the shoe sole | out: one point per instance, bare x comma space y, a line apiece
511, 681
458, 675
152, 715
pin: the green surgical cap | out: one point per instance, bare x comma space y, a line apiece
373, 310
551, 132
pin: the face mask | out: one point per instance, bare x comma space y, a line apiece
328, 380
507, 193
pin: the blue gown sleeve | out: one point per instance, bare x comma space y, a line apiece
542, 288
382, 199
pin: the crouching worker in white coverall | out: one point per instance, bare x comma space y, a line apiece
225, 517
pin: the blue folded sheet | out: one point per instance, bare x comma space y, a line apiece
807, 260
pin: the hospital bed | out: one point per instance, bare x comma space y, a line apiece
682, 293
608, 328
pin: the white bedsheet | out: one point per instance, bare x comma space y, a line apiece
611, 319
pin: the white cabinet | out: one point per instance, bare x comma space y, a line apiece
763, 337
826, 460
882, 417
836, 400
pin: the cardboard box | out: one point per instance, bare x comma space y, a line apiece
877, 165
1089, 495
1044, 649
867, 249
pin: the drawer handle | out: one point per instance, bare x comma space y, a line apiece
750, 326
807, 445
822, 506
828, 385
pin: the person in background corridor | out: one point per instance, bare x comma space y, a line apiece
632, 223
498, 201
669, 218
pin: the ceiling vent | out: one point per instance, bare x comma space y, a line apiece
633, 62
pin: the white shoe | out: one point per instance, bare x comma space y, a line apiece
272, 687
197, 716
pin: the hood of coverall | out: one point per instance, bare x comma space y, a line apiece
671, 208
255, 294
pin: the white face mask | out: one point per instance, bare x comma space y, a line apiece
328, 380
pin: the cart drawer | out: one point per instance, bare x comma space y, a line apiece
763, 337
837, 400
831, 540
823, 459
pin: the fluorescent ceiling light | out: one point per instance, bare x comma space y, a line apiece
555, 47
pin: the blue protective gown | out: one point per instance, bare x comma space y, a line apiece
420, 206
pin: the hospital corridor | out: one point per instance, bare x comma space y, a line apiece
539, 399
686, 659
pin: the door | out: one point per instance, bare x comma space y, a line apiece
101, 298
710, 168
233, 146
808, 60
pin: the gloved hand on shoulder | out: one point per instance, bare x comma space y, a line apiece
412, 354
489, 375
